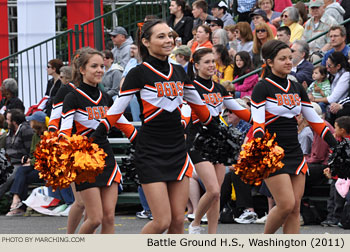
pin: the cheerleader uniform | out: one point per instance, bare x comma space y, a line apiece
57, 106
160, 87
83, 108
275, 104
215, 96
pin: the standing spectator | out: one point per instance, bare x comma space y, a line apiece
283, 34
267, 6
200, 12
259, 16
302, 69
223, 64
290, 18
337, 34
318, 23
45, 104
121, 41
245, 36
10, 100
18, 141
262, 34
346, 5
334, 9
112, 76
244, 7
219, 10
179, 22
202, 38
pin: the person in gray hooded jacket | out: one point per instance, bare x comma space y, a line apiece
335, 10
121, 41
113, 74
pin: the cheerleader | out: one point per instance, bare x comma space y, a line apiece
276, 101
83, 108
161, 158
216, 97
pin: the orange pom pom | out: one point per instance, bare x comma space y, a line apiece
259, 158
72, 159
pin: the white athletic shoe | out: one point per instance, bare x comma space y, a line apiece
261, 220
247, 217
194, 229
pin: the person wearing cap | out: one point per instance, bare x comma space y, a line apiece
25, 173
215, 24
180, 23
121, 41
183, 56
319, 22
200, 12
259, 16
219, 10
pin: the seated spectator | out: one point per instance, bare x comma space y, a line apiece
3, 132
112, 76
302, 69
223, 63
338, 68
267, 6
259, 16
337, 34
305, 135
66, 74
317, 161
242, 66
320, 87
245, 36
232, 39
335, 10
202, 38
244, 8
219, 37
10, 100
303, 13
219, 10
18, 142
318, 23
215, 24
179, 22
283, 34
200, 12
26, 174
346, 6
290, 18
261, 35
338, 109
183, 56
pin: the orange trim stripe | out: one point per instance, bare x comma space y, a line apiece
88, 97
204, 87
277, 85
111, 178
131, 91
159, 73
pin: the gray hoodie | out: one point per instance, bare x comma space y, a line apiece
227, 19
111, 80
335, 11
122, 54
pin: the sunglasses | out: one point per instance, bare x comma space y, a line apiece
49, 66
260, 30
213, 25
113, 36
284, 16
106, 57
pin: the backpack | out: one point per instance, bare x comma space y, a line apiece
309, 212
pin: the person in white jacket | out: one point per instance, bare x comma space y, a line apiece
335, 10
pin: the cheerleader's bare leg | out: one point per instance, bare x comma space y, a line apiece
214, 210
109, 197
281, 188
292, 223
206, 172
76, 211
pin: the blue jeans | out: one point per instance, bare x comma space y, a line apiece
143, 199
65, 194
25, 175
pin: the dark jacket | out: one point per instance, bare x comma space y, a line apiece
183, 27
13, 103
304, 72
346, 6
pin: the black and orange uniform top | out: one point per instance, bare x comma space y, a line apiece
216, 97
57, 105
275, 104
160, 87
83, 109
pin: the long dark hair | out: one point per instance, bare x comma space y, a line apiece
198, 54
146, 32
269, 51
338, 58
245, 57
224, 56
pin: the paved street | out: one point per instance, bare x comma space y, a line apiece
129, 224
